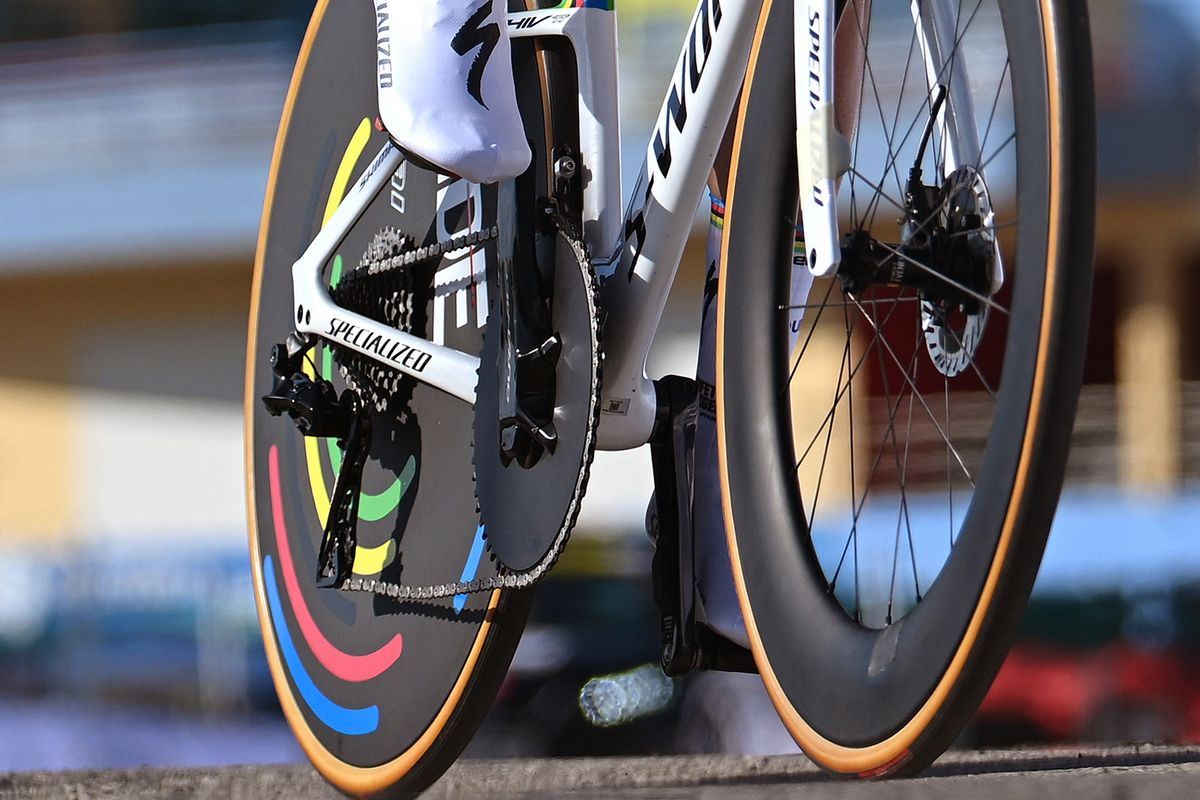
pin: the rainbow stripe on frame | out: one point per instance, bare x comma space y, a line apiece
603, 5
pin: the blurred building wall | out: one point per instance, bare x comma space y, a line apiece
132, 169
1148, 238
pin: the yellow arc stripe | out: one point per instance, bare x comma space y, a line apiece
371, 560
312, 455
358, 143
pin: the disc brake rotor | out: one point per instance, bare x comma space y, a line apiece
953, 336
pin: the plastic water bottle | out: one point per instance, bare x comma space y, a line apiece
622, 697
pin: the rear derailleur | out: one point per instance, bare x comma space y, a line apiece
317, 410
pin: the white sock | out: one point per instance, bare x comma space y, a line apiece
714, 573
446, 90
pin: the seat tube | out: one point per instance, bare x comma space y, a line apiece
592, 33
658, 219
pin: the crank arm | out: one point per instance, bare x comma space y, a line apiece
688, 643
335, 561
316, 313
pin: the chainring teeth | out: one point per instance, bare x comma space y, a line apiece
546, 563
387, 255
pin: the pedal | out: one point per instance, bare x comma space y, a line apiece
719, 654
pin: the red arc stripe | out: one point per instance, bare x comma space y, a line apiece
343, 665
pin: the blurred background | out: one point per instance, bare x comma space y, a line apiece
135, 137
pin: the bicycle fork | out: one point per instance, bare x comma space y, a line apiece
822, 151
830, 59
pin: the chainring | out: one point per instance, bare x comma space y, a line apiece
387, 286
527, 514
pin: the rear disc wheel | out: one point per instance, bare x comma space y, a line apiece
382, 695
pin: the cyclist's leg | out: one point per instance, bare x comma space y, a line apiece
445, 86
714, 574
713, 568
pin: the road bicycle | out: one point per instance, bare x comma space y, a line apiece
426, 385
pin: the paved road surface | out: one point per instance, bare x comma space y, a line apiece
1130, 773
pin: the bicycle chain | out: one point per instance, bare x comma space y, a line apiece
382, 288
355, 289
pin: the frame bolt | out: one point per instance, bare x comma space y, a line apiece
565, 168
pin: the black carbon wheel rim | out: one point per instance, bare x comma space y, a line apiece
428, 670
853, 685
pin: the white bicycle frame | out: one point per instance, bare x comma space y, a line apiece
638, 254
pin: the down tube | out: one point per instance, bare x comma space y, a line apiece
691, 123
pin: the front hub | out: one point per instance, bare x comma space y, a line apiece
947, 253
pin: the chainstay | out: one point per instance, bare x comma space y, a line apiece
506, 579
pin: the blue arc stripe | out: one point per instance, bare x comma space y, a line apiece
348, 721
470, 569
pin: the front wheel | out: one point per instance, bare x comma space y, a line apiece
892, 442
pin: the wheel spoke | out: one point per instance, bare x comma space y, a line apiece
892, 151
807, 339
1011, 138
945, 278
923, 111
912, 550
854, 526
891, 433
845, 549
925, 405
987, 131
842, 390
880, 193
987, 387
825, 452
889, 301
858, 505
893, 116
949, 482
